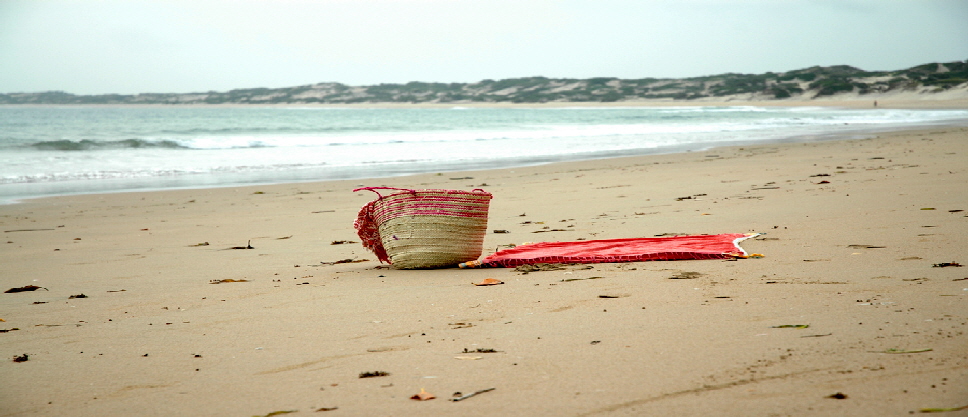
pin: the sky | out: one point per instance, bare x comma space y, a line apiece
181, 46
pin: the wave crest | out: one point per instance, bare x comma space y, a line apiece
87, 145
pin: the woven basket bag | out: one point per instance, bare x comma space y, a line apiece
419, 229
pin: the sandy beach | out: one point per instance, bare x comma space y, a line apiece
850, 311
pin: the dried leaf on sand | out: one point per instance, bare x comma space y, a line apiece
895, 350
276, 413
23, 289
687, 275
539, 267
344, 261
423, 396
943, 410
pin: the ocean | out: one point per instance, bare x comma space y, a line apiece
46, 151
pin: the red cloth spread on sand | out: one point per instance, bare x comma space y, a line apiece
723, 246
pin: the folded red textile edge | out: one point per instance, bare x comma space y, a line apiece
723, 246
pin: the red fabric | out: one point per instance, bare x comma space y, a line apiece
621, 250
369, 232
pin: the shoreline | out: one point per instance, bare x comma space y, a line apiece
853, 229
109, 186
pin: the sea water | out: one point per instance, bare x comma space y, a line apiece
69, 150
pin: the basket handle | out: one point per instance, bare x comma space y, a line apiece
412, 191
374, 189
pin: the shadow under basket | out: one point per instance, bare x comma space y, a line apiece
421, 229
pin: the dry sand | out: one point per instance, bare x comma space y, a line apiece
851, 257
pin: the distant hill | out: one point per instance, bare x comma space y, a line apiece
803, 84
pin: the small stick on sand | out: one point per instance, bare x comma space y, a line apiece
464, 397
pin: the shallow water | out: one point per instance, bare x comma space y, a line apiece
69, 150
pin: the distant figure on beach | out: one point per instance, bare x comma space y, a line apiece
875, 103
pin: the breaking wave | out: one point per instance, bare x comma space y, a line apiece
87, 145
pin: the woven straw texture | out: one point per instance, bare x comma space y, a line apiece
420, 229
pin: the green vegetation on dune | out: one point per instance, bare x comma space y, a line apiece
806, 83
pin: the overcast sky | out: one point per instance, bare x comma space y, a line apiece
132, 46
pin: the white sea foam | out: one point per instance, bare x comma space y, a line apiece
55, 151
